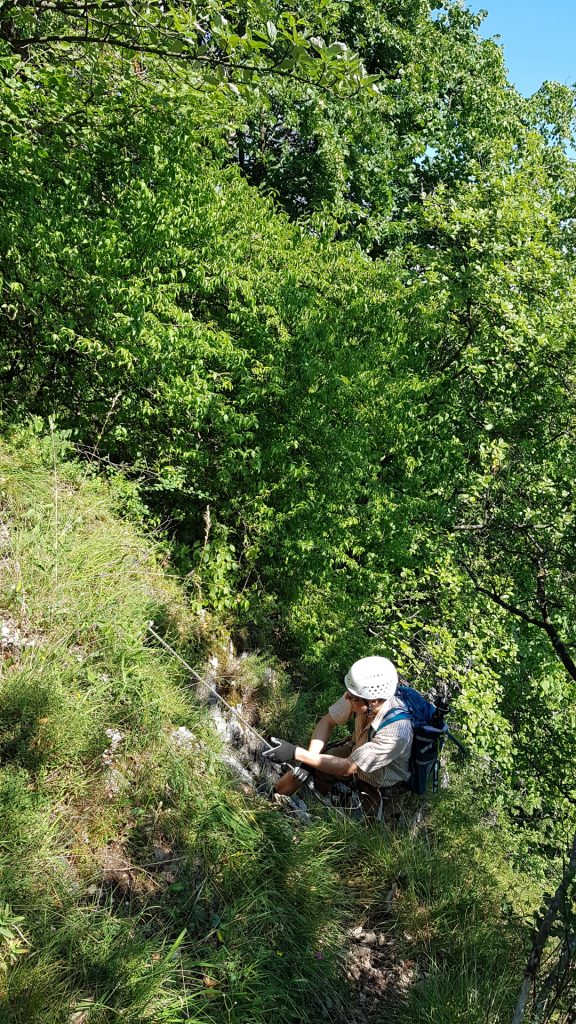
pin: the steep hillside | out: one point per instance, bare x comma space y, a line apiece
140, 880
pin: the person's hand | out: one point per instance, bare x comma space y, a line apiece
279, 751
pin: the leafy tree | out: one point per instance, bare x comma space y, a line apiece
491, 330
231, 44
331, 335
359, 169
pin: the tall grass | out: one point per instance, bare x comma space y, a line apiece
137, 881
231, 927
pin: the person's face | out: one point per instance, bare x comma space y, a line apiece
364, 707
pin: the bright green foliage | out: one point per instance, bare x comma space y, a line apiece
216, 45
360, 170
336, 441
495, 293
331, 335
210, 367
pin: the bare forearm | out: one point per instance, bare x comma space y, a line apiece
338, 766
321, 735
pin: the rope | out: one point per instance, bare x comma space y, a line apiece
204, 682
233, 711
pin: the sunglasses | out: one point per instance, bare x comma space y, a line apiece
360, 700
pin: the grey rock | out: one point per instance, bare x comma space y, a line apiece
237, 768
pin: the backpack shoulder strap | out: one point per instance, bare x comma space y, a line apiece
394, 715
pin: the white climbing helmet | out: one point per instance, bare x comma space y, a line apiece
372, 678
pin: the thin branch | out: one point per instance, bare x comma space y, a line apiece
210, 60
505, 604
542, 935
555, 639
558, 976
560, 648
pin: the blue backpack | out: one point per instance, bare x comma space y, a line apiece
429, 735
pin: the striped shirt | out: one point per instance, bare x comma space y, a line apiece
384, 759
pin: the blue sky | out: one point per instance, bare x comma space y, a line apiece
539, 39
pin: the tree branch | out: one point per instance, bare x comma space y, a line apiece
542, 935
560, 648
209, 60
505, 604
558, 645
558, 976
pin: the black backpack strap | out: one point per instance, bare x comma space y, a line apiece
460, 746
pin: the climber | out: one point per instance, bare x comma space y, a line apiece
375, 757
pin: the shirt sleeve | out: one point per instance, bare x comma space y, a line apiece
341, 711
389, 745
